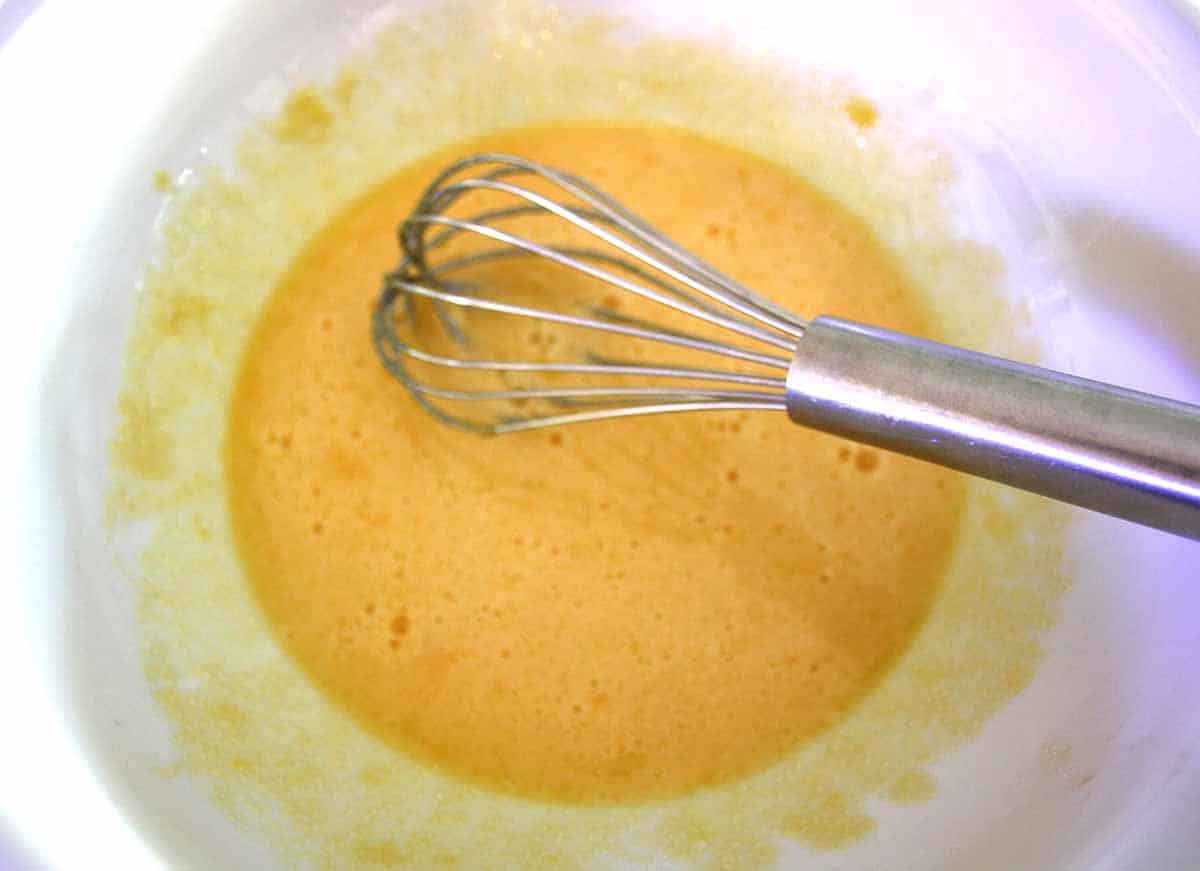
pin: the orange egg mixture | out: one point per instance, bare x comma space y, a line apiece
609, 612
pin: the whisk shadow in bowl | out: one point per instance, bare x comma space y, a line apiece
1146, 282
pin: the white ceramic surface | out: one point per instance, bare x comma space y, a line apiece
1078, 128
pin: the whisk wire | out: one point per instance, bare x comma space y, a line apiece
609, 324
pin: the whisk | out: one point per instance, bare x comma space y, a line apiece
508, 263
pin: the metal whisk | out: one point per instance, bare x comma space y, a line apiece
527, 297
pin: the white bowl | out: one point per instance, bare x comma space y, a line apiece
1082, 118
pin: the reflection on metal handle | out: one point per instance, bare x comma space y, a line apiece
1128, 454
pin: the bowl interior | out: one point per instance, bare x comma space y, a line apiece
1078, 160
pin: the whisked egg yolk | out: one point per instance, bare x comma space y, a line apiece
610, 612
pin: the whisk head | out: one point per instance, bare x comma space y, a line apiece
527, 297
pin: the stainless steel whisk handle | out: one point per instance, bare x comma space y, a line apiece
1120, 452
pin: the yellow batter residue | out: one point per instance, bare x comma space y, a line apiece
704, 565
614, 611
